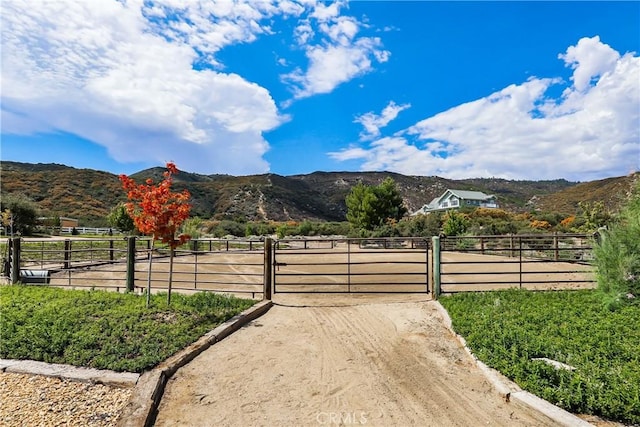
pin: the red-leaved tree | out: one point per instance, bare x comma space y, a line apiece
158, 212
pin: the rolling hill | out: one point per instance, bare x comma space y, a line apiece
89, 194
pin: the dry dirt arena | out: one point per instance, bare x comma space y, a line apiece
314, 360
336, 269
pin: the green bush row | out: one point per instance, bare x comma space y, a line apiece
507, 330
105, 330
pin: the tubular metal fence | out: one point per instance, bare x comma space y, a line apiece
385, 265
550, 261
257, 267
228, 266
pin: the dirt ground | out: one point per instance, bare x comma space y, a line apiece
317, 360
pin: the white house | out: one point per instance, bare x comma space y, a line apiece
454, 199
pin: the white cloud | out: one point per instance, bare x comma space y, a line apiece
331, 65
372, 122
337, 57
589, 59
323, 12
303, 33
105, 72
341, 31
590, 132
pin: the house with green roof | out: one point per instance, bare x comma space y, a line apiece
456, 199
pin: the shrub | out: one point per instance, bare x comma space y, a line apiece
421, 225
305, 229
617, 255
455, 223
105, 330
490, 213
227, 227
508, 330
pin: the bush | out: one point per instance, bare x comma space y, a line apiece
305, 229
508, 330
421, 225
19, 213
226, 227
105, 330
617, 255
455, 223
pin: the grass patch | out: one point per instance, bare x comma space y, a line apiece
105, 330
507, 329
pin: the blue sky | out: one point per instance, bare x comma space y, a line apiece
516, 90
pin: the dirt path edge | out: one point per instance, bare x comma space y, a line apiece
141, 410
510, 391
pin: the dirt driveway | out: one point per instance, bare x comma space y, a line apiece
317, 360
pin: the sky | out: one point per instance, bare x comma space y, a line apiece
514, 90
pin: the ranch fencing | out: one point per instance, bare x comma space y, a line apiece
382, 265
259, 267
536, 262
122, 264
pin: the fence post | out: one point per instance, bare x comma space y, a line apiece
555, 246
511, 246
520, 263
268, 269
110, 249
67, 254
131, 262
349, 265
14, 247
435, 250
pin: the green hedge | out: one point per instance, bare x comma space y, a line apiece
506, 330
105, 330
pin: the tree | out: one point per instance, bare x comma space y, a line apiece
455, 223
19, 212
7, 221
158, 212
119, 219
370, 207
617, 255
193, 227
592, 216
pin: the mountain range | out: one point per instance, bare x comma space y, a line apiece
89, 194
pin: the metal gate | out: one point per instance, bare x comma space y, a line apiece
380, 265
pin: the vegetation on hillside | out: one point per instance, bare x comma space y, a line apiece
611, 192
89, 195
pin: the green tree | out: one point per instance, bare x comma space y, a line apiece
592, 216
119, 219
193, 227
21, 213
423, 225
618, 255
455, 223
371, 207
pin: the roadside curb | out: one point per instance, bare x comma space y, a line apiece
509, 390
142, 408
55, 370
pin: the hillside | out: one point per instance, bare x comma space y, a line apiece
611, 191
89, 194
